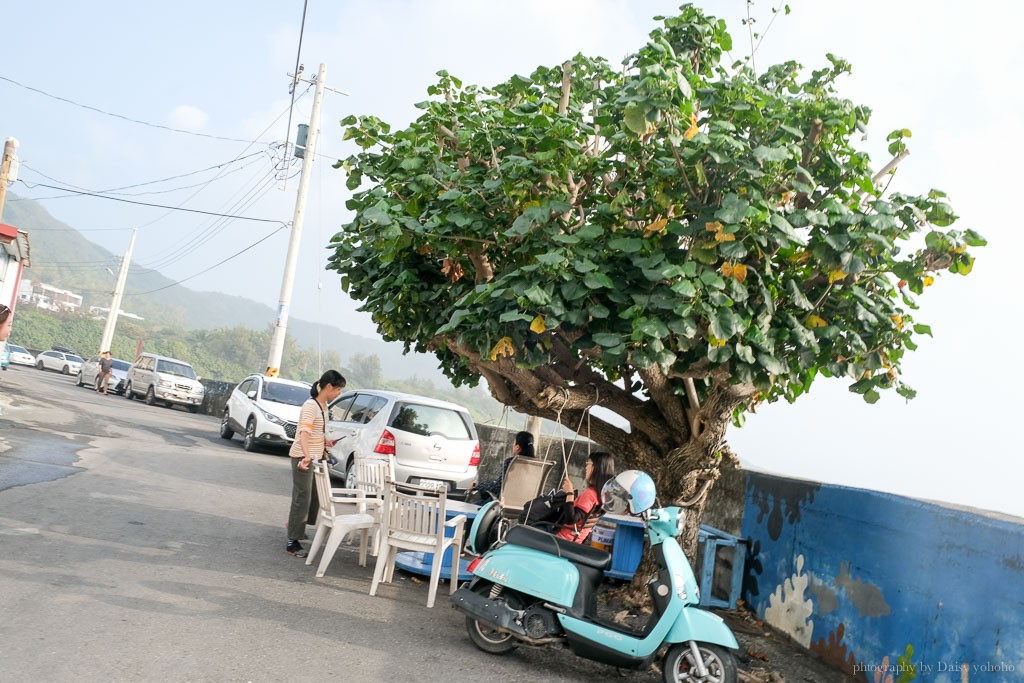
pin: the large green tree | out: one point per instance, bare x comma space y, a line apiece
672, 239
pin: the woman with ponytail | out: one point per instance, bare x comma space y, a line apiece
310, 444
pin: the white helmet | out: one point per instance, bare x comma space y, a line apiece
631, 491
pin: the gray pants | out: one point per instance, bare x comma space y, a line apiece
304, 501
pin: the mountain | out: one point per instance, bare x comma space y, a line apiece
63, 257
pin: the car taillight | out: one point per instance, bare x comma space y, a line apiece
473, 564
474, 461
386, 444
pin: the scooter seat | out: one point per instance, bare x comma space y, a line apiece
586, 555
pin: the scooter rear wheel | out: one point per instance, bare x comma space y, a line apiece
486, 638
680, 666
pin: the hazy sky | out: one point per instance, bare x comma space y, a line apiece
948, 71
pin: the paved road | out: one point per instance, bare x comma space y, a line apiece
136, 545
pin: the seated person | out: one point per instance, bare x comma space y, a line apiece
581, 512
522, 446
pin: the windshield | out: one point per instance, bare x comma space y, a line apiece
289, 394
120, 364
16, 348
75, 359
172, 368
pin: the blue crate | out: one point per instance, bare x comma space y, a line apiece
709, 542
628, 548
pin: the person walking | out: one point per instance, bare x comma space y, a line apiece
311, 443
103, 378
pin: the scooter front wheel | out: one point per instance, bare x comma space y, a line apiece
486, 638
681, 666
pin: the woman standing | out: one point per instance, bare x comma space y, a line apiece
310, 443
581, 511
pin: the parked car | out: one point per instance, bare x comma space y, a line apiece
169, 380
64, 349
431, 443
20, 355
265, 410
60, 361
89, 374
5, 355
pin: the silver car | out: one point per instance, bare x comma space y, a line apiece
430, 443
89, 374
66, 363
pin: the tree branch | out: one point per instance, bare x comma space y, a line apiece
563, 103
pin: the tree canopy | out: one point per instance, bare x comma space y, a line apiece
673, 239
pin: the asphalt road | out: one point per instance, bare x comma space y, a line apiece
136, 545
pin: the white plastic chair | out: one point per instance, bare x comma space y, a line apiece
371, 477
414, 519
342, 511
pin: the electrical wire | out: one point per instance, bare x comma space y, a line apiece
298, 55
219, 263
159, 206
117, 190
119, 116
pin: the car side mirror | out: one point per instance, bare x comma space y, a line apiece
251, 394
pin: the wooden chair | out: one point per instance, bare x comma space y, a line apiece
342, 511
414, 519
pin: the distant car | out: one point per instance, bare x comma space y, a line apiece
60, 361
89, 374
20, 355
64, 349
169, 380
5, 355
265, 410
431, 443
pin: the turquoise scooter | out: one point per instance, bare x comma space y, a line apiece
537, 589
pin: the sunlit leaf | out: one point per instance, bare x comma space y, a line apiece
537, 326
502, 349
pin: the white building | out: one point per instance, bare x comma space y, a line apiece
48, 297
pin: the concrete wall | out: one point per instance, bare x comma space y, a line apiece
871, 581
496, 445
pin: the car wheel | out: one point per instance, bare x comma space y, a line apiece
66, 370
128, 391
81, 382
39, 365
350, 474
249, 442
193, 409
226, 432
150, 396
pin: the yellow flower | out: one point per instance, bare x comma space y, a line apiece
715, 341
692, 131
503, 348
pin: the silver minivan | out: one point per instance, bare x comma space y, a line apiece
429, 442
164, 379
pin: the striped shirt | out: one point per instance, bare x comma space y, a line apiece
311, 421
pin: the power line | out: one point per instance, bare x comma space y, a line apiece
116, 190
119, 116
220, 263
295, 82
159, 206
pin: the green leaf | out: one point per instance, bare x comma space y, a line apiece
733, 209
771, 153
597, 280
589, 232
551, 258
745, 353
684, 327
871, 396
772, 364
635, 117
923, 329
538, 295
725, 323
628, 245
797, 296
784, 226
607, 339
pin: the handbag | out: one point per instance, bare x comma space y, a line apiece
545, 508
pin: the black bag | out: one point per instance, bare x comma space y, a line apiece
546, 508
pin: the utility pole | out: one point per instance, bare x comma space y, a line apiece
281, 329
6, 175
115, 304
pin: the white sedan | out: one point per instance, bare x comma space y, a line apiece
20, 355
66, 363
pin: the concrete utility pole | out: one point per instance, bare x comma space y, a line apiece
281, 329
6, 175
115, 304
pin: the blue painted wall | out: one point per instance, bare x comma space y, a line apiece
871, 580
